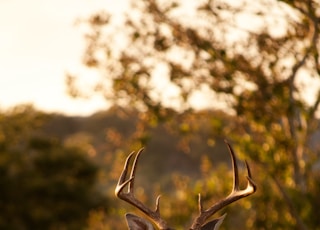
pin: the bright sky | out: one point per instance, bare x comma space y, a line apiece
39, 43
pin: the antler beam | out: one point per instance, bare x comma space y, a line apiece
235, 194
129, 195
200, 222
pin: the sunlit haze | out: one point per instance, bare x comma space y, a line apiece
39, 43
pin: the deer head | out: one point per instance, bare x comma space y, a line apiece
201, 221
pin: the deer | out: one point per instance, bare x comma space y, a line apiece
201, 222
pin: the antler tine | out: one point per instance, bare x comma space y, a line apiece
251, 186
133, 170
234, 167
122, 182
235, 194
129, 195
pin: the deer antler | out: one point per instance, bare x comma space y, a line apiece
129, 196
200, 223
235, 194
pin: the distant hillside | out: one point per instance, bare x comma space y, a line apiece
109, 137
163, 152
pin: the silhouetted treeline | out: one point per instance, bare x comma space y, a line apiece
59, 172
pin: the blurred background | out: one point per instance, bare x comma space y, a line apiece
84, 83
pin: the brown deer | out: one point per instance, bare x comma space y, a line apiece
200, 222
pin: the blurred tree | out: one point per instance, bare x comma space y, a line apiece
43, 185
259, 61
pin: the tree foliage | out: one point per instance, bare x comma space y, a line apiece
260, 61
44, 185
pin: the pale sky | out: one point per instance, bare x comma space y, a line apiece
39, 43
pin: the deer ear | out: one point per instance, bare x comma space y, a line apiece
137, 223
214, 224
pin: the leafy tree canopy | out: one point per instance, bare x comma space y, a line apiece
260, 61
43, 184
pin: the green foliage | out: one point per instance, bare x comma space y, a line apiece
262, 70
49, 171
43, 184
